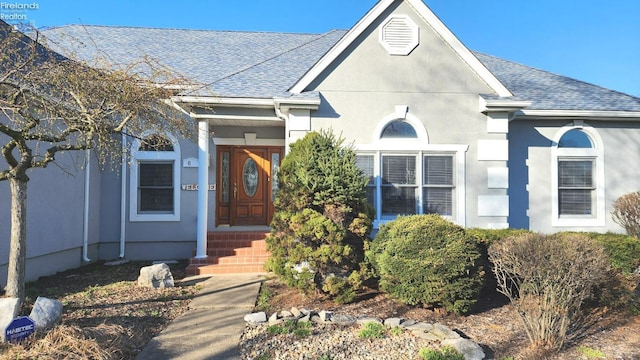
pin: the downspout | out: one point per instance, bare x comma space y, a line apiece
85, 223
123, 197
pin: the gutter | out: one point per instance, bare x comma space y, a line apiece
85, 222
123, 197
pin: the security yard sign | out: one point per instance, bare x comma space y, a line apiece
19, 329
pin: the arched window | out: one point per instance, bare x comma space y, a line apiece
578, 173
155, 178
398, 129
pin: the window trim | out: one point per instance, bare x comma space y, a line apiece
594, 154
138, 157
400, 148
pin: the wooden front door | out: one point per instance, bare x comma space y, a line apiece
246, 184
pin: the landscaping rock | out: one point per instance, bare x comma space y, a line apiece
393, 322
368, 319
325, 316
46, 313
9, 308
344, 320
256, 318
156, 276
420, 327
468, 348
443, 332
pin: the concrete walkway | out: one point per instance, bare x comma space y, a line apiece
212, 326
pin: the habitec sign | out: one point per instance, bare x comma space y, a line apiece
19, 329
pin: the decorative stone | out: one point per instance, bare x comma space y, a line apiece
344, 320
426, 336
368, 319
420, 327
286, 314
156, 276
443, 332
9, 308
256, 318
46, 313
468, 348
296, 312
273, 319
406, 323
325, 316
393, 322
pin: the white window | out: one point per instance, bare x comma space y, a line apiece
407, 175
155, 179
577, 177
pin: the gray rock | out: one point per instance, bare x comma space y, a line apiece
426, 336
286, 314
156, 276
393, 322
420, 327
368, 319
468, 348
296, 312
255, 318
407, 323
344, 320
9, 308
443, 332
305, 318
325, 316
46, 313
273, 319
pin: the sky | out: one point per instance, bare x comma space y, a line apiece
597, 41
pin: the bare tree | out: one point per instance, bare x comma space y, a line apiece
50, 104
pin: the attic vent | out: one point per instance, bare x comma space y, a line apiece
399, 35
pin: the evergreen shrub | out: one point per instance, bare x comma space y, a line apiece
321, 219
425, 259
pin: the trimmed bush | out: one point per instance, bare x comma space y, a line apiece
548, 278
626, 213
425, 259
322, 218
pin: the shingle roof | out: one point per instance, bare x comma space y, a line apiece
550, 91
225, 63
266, 65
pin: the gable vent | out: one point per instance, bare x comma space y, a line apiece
399, 35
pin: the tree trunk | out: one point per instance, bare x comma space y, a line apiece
17, 251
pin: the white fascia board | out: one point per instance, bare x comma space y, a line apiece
430, 18
221, 101
297, 103
577, 114
503, 105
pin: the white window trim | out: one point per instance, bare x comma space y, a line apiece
154, 156
399, 147
597, 155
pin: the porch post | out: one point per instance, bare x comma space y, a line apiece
203, 188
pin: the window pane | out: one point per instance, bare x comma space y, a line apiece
575, 202
575, 139
156, 200
438, 170
575, 174
437, 200
275, 165
154, 174
224, 189
398, 200
365, 163
399, 129
399, 170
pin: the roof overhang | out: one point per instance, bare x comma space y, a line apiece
502, 105
526, 114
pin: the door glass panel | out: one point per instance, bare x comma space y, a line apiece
275, 165
250, 177
225, 177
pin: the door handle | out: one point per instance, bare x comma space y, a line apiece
235, 190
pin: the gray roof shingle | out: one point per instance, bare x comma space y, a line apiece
266, 64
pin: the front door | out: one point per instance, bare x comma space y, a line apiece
246, 184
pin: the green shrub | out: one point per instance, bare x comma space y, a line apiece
548, 278
299, 329
372, 330
425, 259
446, 353
322, 218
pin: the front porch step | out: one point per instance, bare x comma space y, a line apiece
232, 252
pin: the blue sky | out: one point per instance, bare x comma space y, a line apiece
591, 40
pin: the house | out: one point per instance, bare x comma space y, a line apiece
483, 141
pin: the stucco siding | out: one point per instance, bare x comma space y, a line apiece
531, 164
